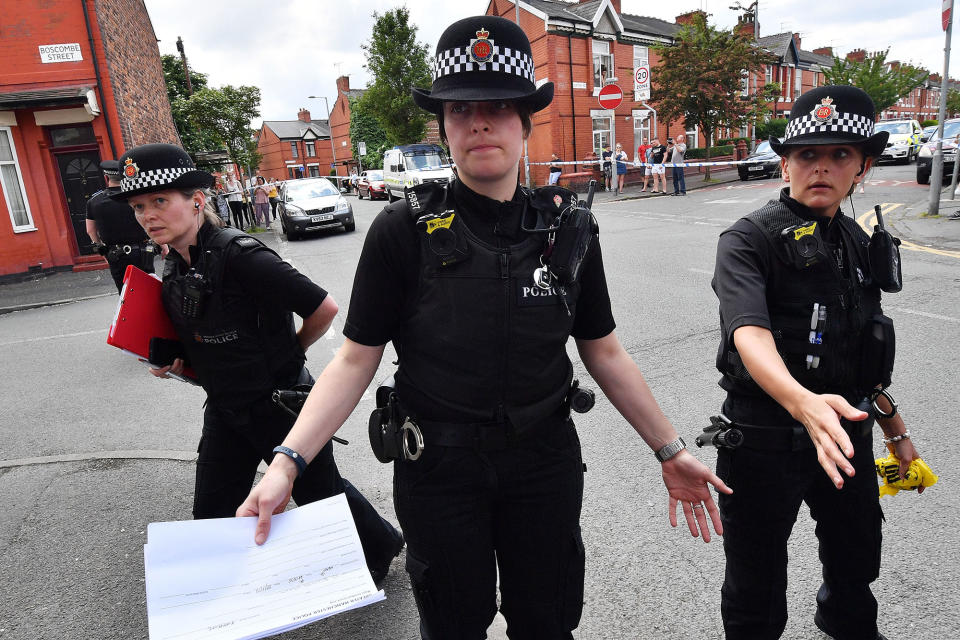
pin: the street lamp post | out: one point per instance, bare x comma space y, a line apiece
333, 150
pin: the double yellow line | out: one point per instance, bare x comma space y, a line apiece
869, 219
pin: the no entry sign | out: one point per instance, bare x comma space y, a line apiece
610, 96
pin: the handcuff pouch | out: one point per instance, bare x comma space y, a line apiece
385, 425
878, 352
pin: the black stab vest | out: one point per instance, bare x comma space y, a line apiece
241, 352
850, 297
483, 343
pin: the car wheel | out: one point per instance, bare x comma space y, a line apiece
359, 194
390, 197
744, 177
923, 177
350, 226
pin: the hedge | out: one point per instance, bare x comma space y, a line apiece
928, 123
701, 152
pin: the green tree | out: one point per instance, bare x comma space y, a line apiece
225, 114
953, 102
193, 139
698, 79
396, 62
883, 83
776, 128
772, 92
364, 127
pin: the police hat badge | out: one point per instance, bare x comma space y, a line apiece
130, 168
481, 48
825, 111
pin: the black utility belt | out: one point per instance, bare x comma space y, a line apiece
793, 438
127, 249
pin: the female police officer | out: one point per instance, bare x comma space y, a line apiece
804, 343
483, 370
231, 300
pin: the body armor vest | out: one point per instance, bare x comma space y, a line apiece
239, 351
483, 343
795, 283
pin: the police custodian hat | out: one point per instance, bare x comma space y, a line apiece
832, 114
483, 58
158, 167
110, 168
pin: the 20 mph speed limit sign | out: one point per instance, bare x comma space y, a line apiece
641, 77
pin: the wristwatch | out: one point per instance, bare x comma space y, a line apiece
671, 449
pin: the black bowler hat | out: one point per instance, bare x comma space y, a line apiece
157, 167
110, 168
481, 59
832, 114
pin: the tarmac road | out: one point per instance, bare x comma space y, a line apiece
92, 448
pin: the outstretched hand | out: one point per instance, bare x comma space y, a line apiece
688, 482
820, 415
269, 497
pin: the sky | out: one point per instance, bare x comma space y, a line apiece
292, 49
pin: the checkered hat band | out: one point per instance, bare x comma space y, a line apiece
844, 123
504, 60
152, 178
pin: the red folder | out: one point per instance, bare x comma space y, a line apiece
141, 316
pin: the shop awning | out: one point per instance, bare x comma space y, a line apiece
49, 97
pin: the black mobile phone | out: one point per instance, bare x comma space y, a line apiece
164, 351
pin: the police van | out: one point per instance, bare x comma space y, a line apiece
412, 164
904, 141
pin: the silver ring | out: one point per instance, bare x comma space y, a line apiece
697, 506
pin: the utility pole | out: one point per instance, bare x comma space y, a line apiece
936, 172
186, 69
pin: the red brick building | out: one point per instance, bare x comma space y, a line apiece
295, 148
340, 126
581, 47
81, 81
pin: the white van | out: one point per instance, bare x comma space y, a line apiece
412, 164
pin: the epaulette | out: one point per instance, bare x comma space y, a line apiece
552, 200
429, 197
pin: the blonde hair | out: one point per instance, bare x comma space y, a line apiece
210, 214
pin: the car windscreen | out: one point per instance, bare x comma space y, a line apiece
950, 130
763, 149
307, 190
374, 175
894, 127
416, 161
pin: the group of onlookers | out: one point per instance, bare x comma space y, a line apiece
653, 155
258, 212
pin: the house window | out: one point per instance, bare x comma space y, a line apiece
693, 138
602, 133
797, 86
602, 63
641, 58
768, 74
12, 183
293, 150
311, 150
314, 171
641, 128
744, 83
290, 173
72, 136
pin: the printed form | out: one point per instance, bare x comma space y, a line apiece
208, 579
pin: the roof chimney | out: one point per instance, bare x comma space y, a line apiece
857, 55
796, 39
745, 27
343, 83
303, 115
688, 18
824, 51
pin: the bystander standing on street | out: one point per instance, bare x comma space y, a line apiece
641, 159
274, 194
261, 202
234, 192
621, 158
678, 151
606, 167
555, 169
658, 171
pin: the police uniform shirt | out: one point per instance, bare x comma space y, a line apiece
741, 274
116, 223
253, 271
387, 276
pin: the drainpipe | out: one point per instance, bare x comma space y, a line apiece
96, 70
573, 113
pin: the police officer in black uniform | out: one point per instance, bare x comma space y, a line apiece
805, 347
231, 300
488, 477
114, 231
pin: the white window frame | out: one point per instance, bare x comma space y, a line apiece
607, 114
293, 149
745, 83
311, 148
797, 82
641, 58
641, 129
598, 57
693, 138
768, 74
17, 228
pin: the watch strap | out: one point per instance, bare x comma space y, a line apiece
670, 449
293, 455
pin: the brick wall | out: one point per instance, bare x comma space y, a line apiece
136, 75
